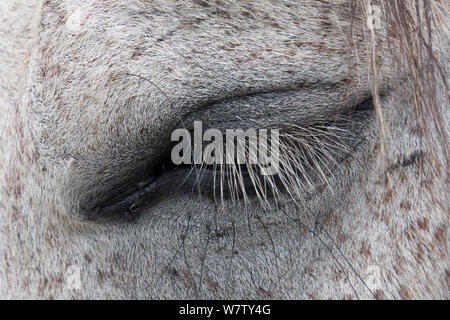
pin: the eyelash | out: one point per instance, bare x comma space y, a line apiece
308, 156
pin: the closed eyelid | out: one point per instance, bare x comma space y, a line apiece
123, 119
134, 188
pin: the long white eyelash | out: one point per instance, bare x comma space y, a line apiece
308, 157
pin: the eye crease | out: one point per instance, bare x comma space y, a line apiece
130, 203
326, 145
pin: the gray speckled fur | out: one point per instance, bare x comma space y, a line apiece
70, 108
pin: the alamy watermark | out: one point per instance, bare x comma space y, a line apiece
373, 277
72, 277
259, 147
374, 17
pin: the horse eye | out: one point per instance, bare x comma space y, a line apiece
308, 152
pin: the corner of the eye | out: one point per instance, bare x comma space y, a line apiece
96, 214
90, 199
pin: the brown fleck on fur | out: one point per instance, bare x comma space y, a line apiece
91, 90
